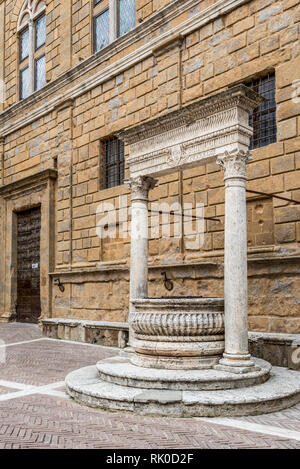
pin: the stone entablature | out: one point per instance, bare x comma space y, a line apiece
197, 134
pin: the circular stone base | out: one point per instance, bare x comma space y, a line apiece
281, 391
119, 370
175, 363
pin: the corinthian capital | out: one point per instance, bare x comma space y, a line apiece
140, 186
235, 163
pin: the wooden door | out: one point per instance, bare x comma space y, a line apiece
28, 259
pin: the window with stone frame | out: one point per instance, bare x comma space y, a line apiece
112, 165
112, 19
32, 40
263, 119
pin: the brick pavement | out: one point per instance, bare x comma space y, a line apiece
35, 415
4, 390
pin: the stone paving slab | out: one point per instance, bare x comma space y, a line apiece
55, 421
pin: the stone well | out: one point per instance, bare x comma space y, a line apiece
177, 333
189, 356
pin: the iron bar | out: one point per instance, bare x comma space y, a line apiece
182, 215
274, 195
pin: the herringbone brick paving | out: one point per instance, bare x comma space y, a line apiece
48, 421
43, 422
12, 333
289, 419
27, 363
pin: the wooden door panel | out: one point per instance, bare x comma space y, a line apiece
28, 258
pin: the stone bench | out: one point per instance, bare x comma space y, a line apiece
110, 334
278, 349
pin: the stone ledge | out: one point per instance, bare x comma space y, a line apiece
276, 348
106, 333
280, 392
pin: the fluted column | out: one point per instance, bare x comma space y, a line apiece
236, 357
139, 187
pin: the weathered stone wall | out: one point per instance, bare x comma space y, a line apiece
74, 115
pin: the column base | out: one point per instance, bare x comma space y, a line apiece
236, 364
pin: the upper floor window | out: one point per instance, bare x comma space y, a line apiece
263, 119
112, 19
113, 165
32, 40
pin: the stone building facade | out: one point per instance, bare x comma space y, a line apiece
73, 82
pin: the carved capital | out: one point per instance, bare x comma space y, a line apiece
235, 163
140, 186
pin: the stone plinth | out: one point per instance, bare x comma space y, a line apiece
120, 370
177, 333
281, 391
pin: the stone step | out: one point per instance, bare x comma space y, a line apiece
281, 391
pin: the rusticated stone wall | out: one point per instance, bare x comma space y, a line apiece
88, 98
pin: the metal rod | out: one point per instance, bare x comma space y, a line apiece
194, 217
274, 195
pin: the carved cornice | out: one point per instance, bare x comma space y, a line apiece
28, 183
156, 21
235, 163
239, 95
196, 134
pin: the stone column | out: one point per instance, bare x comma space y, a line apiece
236, 357
139, 187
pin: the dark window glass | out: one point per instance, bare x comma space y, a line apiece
25, 83
126, 16
24, 44
40, 73
102, 30
263, 119
40, 32
114, 162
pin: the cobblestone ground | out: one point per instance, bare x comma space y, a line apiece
35, 412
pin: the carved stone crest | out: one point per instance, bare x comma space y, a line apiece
176, 157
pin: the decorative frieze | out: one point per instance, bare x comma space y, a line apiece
197, 134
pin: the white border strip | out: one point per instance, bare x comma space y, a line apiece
12, 385
254, 427
48, 389
105, 347
22, 343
